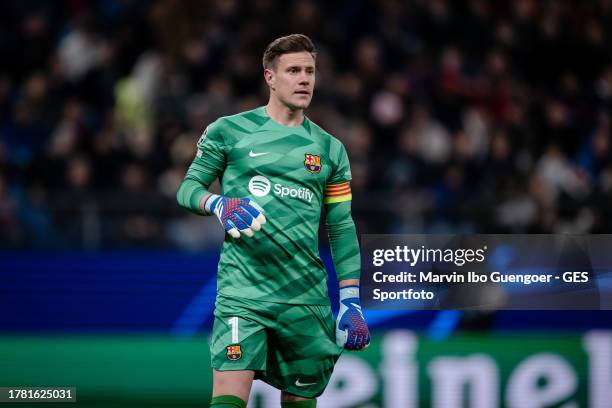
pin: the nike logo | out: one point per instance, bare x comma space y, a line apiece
251, 154
301, 384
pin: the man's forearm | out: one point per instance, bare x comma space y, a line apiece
343, 241
192, 195
193, 191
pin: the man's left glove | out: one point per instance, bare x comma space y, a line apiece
351, 330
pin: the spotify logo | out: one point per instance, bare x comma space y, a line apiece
259, 186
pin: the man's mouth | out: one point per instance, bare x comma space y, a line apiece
302, 92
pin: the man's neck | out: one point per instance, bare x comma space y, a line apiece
283, 114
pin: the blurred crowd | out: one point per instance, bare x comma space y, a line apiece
458, 116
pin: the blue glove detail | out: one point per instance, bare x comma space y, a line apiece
351, 329
237, 215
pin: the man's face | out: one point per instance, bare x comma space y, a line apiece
292, 81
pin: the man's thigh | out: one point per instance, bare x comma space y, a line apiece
237, 383
239, 340
302, 350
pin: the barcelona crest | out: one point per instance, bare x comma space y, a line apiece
234, 352
312, 163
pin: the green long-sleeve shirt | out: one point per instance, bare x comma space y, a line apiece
290, 171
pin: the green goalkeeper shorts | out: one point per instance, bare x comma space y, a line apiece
291, 347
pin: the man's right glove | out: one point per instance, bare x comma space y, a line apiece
237, 215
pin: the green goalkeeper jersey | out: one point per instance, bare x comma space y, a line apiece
290, 171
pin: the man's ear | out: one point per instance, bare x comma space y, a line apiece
270, 78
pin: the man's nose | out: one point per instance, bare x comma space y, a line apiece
304, 79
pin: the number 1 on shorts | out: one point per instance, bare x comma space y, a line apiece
233, 321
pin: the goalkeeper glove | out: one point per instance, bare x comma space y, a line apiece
237, 215
351, 330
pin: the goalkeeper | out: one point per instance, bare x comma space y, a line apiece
273, 318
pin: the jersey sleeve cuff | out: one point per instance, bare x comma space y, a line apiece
196, 198
350, 275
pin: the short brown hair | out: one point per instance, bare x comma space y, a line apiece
285, 45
